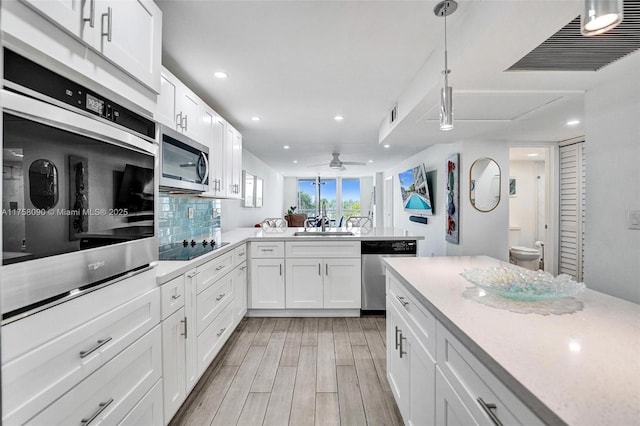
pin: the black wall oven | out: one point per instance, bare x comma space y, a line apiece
78, 186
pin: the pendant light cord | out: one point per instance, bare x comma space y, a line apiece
446, 66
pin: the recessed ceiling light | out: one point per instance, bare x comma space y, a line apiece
533, 154
255, 118
338, 118
286, 147
371, 161
386, 146
573, 122
295, 161
220, 74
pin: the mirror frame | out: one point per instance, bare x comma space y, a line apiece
248, 201
471, 201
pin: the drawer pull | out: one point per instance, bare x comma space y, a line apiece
176, 296
401, 300
241, 254
221, 331
92, 14
101, 408
319, 273
98, 345
192, 274
402, 352
220, 267
219, 298
242, 268
397, 331
185, 327
488, 408
264, 249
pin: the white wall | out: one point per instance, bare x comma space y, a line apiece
611, 250
233, 215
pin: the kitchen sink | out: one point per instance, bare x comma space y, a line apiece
321, 233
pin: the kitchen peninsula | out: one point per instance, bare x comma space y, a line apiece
580, 368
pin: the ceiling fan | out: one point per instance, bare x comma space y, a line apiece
338, 164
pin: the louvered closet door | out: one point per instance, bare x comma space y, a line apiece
572, 206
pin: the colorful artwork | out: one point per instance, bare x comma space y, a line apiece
453, 199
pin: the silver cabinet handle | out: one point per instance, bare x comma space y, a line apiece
179, 119
401, 300
108, 33
242, 268
92, 14
319, 272
176, 296
101, 408
218, 184
397, 342
488, 408
326, 269
184, 321
192, 274
265, 250
100, 343
241, 254
220, 267
219, 298
402, 352
221, 331
186, 123
281, 269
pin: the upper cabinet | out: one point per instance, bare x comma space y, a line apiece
182, 110
126, 33
179, 107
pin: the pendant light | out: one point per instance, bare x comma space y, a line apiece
600, 16
444, 9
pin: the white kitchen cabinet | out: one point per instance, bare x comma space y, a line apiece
148, 411
58, 359
174, 358
267, 284
127, 33
342, 283
179, 345
410, 369
213, 300
178, 107
323, 274
236, 164
304, 283
240, 283
112, 391
210, 341
450, 410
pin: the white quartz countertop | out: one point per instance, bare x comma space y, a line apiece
169, 269
581, 368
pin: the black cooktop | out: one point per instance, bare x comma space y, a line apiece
188, 250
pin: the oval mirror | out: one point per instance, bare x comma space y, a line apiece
43, 184
484, 185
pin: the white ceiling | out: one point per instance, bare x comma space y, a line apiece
297, 64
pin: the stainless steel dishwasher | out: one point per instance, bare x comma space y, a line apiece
373, 280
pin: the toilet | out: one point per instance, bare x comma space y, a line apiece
527, 257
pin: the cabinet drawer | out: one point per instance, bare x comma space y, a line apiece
419, 319
172, 296
323, 249
148, 411
472, 382
37, 378
113, 390
211, 301
209, 273
239, 254
267, 249
213, 337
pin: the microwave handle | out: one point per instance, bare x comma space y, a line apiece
206, 166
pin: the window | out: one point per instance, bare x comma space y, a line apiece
345, 202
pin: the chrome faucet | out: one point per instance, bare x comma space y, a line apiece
324, 220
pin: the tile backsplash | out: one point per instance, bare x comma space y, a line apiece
175, 225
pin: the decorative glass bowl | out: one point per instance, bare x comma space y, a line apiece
523, 284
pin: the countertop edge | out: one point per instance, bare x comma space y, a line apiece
529, 399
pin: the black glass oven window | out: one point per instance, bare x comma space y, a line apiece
63, 192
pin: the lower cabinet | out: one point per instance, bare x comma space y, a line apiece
174, 350
304, 283
240, 293
267, 284
342, 283
111, 392
446, 385
410, 369
149, 410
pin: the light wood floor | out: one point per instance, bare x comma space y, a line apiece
296, 371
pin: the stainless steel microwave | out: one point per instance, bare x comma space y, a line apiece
184, 163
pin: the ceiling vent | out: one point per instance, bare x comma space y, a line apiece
569, 50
